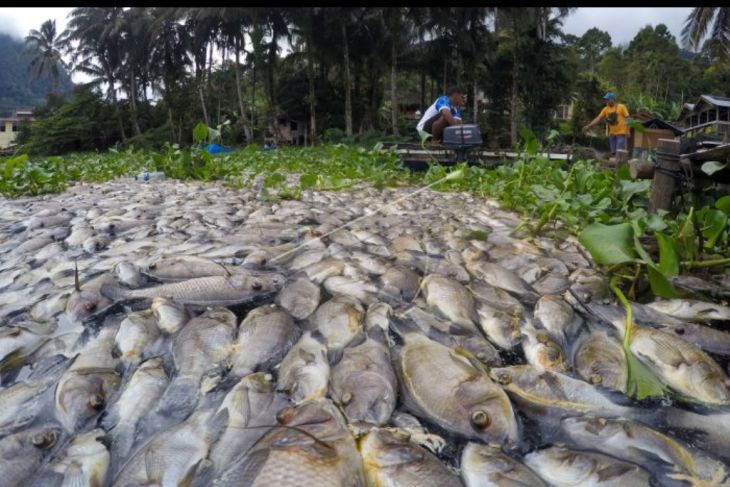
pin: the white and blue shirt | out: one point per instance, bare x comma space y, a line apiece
440, 103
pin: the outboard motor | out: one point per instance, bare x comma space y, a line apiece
461, 139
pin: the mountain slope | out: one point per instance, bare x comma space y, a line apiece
16, 86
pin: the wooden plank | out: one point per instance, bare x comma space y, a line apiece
713, 153
662, 186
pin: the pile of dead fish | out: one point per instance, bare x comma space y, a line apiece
184, 334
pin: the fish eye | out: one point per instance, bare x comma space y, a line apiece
480, 419
346, 398
504, 379
256, 286
285, 415
97, 402
263, 261
679, 331
44, 439
596, 379
90, 306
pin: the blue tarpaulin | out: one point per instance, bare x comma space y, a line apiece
217, 149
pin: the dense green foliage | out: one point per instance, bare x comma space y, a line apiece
341, 73
17, 87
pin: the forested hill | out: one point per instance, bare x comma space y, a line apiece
17, 89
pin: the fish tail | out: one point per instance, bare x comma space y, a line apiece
180, 398
114, 292
121, 442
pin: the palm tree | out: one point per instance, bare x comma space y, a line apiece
170, 41
46, 47
698, 23
99, 52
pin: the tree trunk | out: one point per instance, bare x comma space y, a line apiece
445, 73
202, 102
393, 94
358, 87
312, 92
117, 111
171, 122
514, 100
423, 90
348, 94
133, 103
253, 98
475, 103
239, 91
210, 62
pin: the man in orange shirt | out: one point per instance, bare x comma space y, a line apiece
615, 115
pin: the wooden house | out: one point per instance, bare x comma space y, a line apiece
709, 116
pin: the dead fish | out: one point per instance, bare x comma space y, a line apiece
363, 383
300, 297
390, 458
443, 386
312, 447
304, 372
264, 337
205, 291
566, 468
486, 466
688, 309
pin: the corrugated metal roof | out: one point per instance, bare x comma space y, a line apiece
657, 123
719, 101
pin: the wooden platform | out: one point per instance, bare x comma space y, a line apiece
414, 153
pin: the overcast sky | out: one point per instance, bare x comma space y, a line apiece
622, 23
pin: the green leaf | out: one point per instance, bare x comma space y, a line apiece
686, 237
200, 132
668, 255
723, 204
655, 223
609, 244
638, 232
713, 224
642, 382
623, 173
307, 181
455, 175
711, 167
629, 187
660, 285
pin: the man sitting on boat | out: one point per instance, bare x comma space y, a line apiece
445, 111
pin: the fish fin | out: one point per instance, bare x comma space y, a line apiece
180, 398
377, 334
317, 335
74, 476
551, 381
77, 286
614, 470
218, 421
403, 327
335, 355
113, 292
109, 418
121, 443
246, 467
471, 358
50, 369
203, 473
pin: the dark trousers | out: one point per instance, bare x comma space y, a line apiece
435, 126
